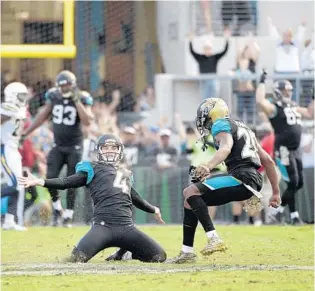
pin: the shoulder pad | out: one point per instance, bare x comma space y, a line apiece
86, 98
221, 125
50, 93
85, 166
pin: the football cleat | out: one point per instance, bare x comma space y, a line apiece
56, 217
117, 256
67, 222
214, 244
297, 221
182, 258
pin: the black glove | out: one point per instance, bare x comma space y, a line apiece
263, 76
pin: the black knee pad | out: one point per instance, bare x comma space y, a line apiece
78, 256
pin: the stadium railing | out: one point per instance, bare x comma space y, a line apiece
164, 189
181, 93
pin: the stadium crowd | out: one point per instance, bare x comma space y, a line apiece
160, 145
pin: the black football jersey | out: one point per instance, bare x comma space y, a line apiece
287, 125
65, 118
110, 190
244, 153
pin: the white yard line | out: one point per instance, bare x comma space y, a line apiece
68, 269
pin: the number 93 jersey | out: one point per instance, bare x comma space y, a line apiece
65, 118
244, 153
287, 125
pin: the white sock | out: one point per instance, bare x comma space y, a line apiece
8, 218
57, 205
212, 233
280, 209
187, 249
68, 213
294, 215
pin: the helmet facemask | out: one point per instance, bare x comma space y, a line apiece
283, 91
203, 125
109, 152
21, 99
65, 89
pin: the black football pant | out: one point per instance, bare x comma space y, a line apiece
129, 238
57, 158
291, 168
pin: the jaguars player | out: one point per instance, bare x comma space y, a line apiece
285, 118
13, 112
237, 147
113, 195
69, 109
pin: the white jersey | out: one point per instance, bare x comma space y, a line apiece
11, 130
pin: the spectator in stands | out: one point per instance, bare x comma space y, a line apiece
166, 155
287, 51
251, 52
308, 57
105, 111
146, 100
132, 148
246, 102
208, 64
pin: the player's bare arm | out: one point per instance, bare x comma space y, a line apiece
265, 105
307, 112
42, 116
85, 113
272, 175
225, 142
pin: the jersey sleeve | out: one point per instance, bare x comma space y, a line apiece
221, 125
86, 167
49, 95
87, 99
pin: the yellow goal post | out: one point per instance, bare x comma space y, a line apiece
65, 50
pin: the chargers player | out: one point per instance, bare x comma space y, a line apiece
13, 112
236, 146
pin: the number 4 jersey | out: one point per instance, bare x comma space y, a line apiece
109, 187
286, 123
244, 153
65, 118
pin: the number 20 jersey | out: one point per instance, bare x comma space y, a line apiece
287, 126
65, 118
244, 153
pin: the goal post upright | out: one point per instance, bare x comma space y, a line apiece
65, 50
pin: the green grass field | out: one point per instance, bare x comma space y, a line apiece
265, 258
